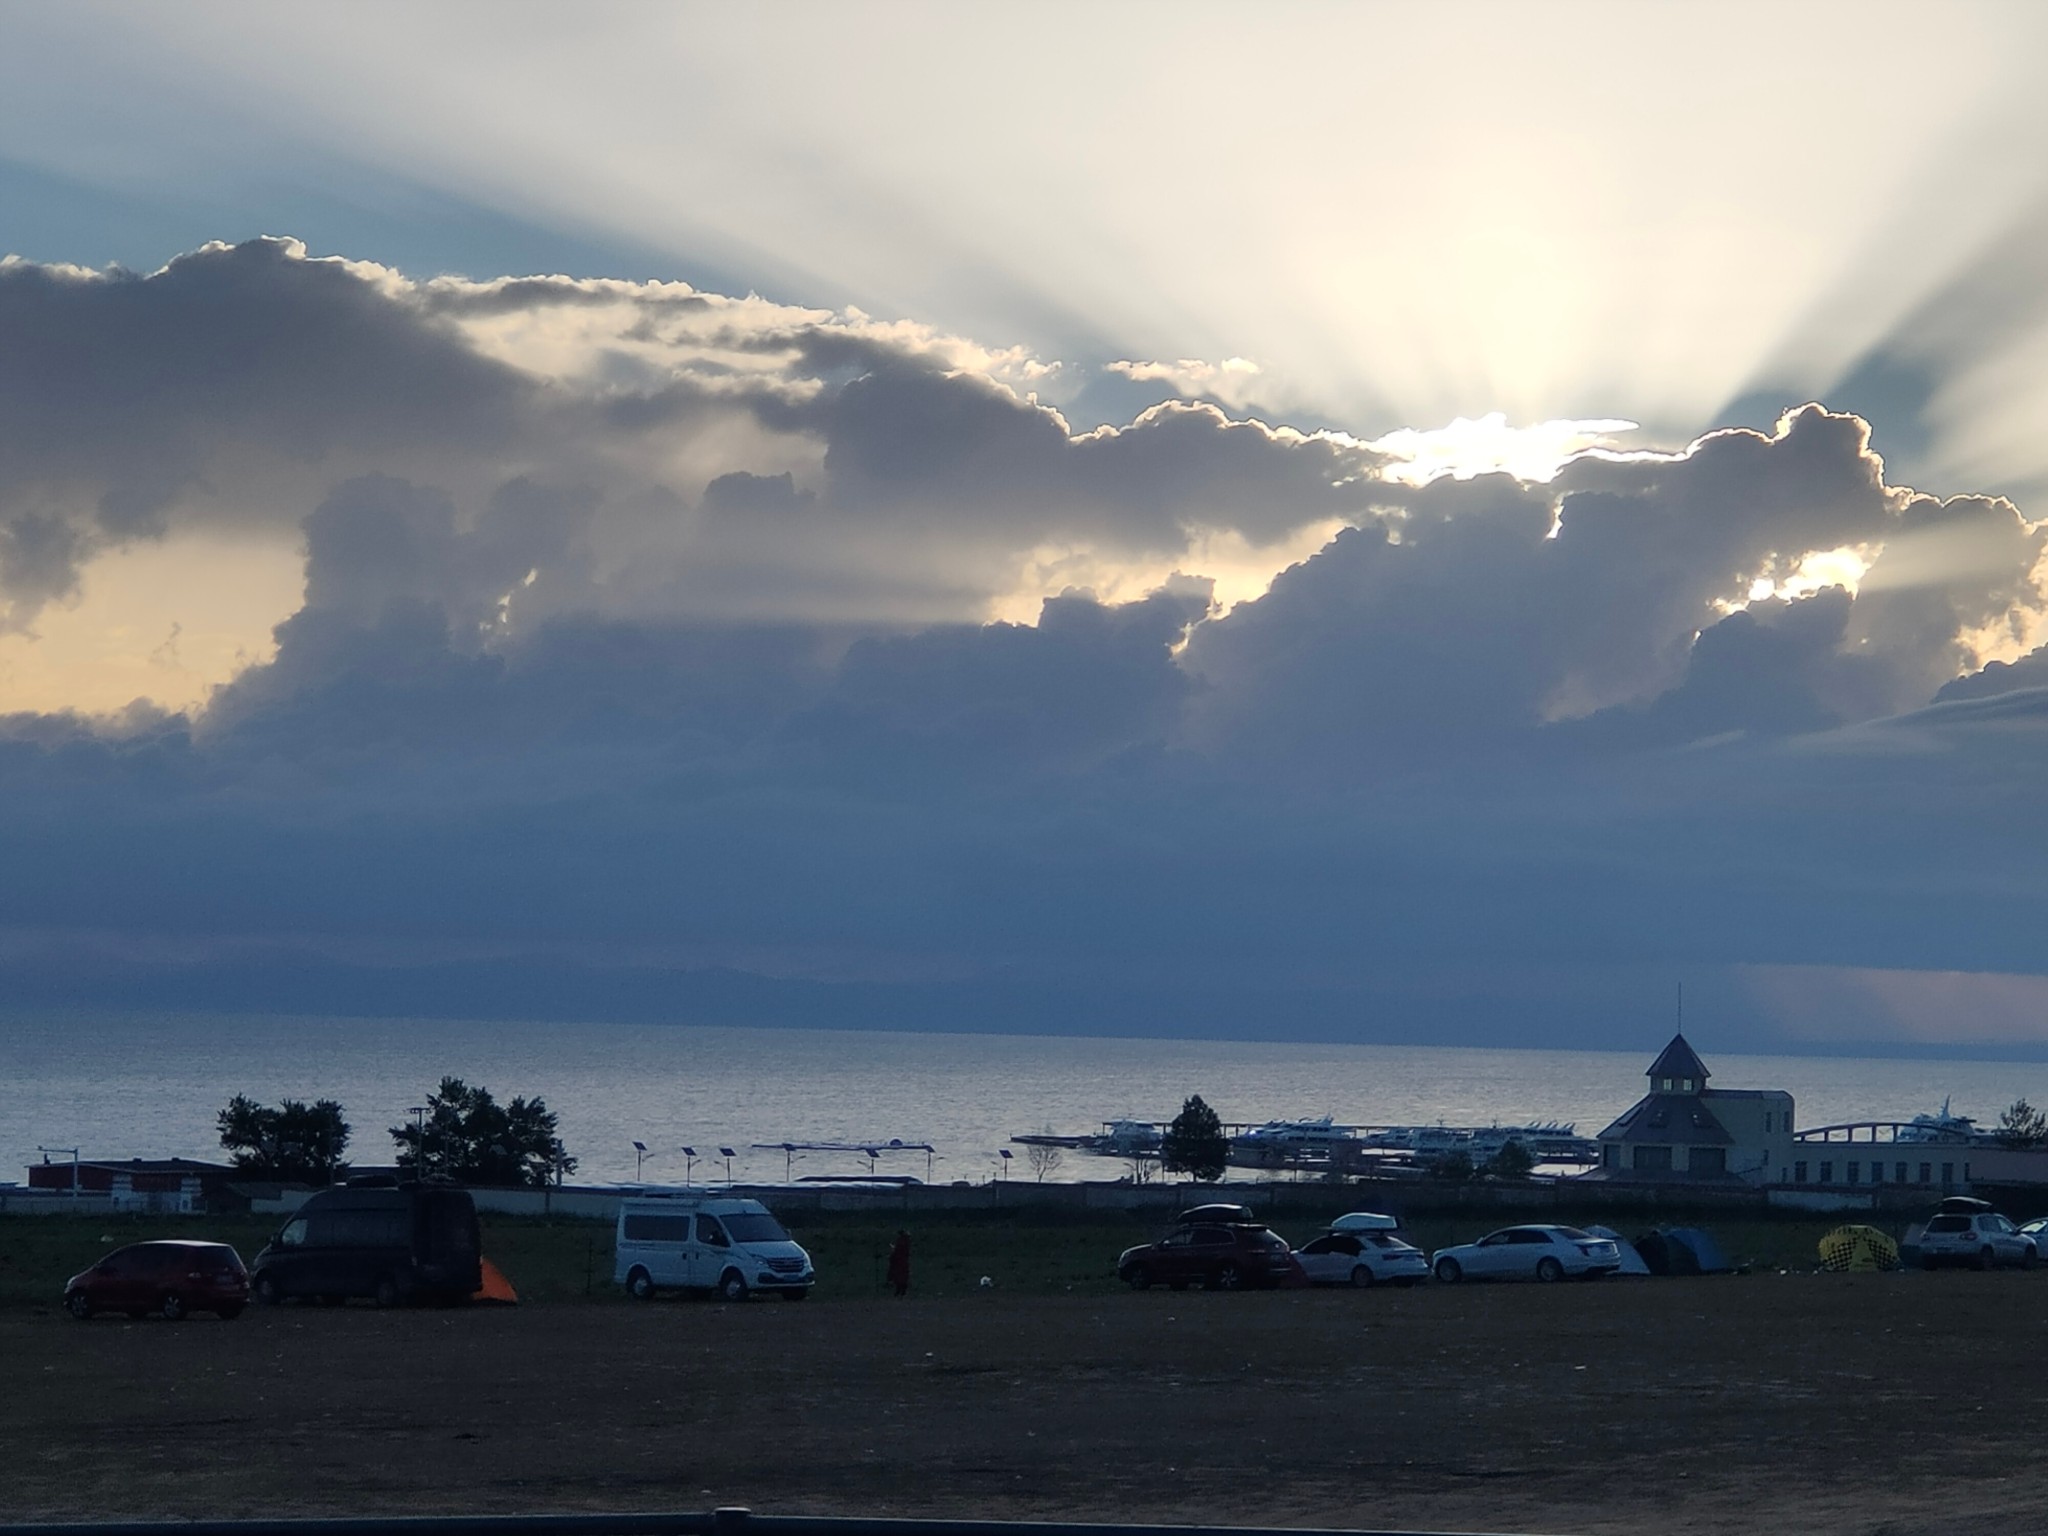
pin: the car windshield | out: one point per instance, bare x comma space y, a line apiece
750, 1228
1265, 1239
1949, 1224
1573, 1234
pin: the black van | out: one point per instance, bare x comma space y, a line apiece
393, 1245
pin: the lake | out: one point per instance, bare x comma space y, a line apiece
151, 1086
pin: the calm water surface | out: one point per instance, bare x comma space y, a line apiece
151, 1087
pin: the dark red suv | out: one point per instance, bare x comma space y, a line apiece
174, 1277
1218, 1255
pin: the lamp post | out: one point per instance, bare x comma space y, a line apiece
639, 1159
1004, 1154
689, 1163
728, 1154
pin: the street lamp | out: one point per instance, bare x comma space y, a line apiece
1004, 1154
689, 1162
728, 1154
639, 1159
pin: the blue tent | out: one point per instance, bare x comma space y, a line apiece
1707, 1252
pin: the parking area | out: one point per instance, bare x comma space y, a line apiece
1831, 1402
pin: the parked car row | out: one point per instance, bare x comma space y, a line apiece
422, 1243
388, 1245
1223, 1248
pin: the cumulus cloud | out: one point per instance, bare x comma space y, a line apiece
655, 622
243, 386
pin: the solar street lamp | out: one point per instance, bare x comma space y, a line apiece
728, 1154
1004, 1154
689, 1162
639, 1159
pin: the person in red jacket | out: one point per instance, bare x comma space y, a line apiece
899, 1265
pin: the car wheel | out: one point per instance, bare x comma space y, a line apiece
731, 1287
1548, 1270
172, 1307
1449, 1271
387, 1291
264, 1288
1138, 1278
640, 1285
1986, 1258
1361, 1277
78, 1305
1228, 1277
227, 1314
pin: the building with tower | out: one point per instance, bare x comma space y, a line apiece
1684, 1131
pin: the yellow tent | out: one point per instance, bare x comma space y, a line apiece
496, 1288
1858, 1248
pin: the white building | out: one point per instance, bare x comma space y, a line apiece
1684, 1131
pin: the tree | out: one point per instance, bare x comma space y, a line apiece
1454, 1167
295, 1142
1043, 1157
1195, 1143
2022, 1125
467, 1136
1512, 1161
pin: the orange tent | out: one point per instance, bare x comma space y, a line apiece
496, 1288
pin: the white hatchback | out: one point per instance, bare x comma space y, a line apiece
1528, 1253
1361, 1259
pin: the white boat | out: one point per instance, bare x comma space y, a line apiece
1943, 1126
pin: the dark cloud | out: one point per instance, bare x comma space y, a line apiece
642, 658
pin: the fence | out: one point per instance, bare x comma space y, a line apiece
720, 1522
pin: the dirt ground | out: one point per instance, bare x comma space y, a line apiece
1804, 1403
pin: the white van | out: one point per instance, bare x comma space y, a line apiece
707, 1243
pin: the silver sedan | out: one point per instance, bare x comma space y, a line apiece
1528, 1253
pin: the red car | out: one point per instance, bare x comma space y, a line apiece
174, 1277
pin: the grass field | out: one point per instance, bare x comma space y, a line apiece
1023, 1252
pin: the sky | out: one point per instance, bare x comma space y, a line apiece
1368, 522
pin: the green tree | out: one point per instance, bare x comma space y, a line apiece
1195, 1143
2022, 1125
293, 1141
1455, 1167
467, 1136
1512, 1161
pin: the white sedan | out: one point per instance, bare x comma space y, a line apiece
1528, 1253
1361, 1259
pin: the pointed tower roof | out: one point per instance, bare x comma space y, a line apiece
1678, 1060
